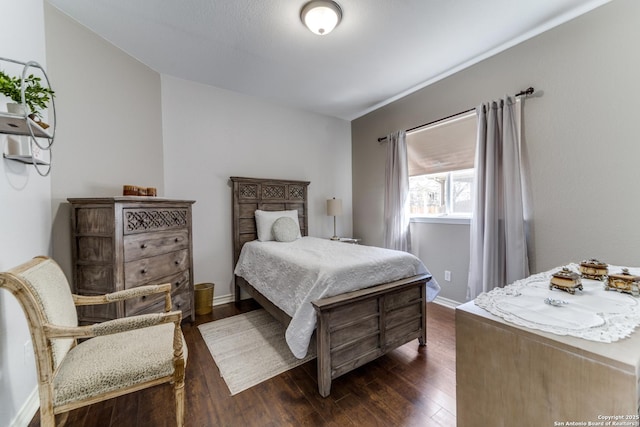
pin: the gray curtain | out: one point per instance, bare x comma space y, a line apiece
396, 196
498, 230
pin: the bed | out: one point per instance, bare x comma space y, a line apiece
352, 328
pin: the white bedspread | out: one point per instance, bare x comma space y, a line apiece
293, 274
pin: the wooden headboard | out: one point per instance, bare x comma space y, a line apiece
250, 194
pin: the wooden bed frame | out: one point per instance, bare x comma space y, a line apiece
352, 328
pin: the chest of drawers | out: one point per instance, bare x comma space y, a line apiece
123, 242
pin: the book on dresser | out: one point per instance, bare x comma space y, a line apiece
123, 242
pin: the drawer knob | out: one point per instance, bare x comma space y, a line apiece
143, 271
177, 262
176, 240
143, 246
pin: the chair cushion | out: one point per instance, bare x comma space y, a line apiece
49, 286
113, 362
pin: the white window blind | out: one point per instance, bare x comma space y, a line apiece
445, 146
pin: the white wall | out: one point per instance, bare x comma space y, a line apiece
444, 247
109, 134
580, 135
25, 214
211, 134
109, 122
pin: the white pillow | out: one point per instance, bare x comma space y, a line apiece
285, 229
265, 220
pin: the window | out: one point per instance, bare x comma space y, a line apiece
441, 161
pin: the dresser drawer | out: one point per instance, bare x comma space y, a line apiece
89, 314
154, 219
182, 302
145, 245
179, 284
94, 279
145, 270
94, 249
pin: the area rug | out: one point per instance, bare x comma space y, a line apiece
250, 348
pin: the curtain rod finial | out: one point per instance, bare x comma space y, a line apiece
526, 92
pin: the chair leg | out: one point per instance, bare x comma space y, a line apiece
47, 418
179, 396
62, 419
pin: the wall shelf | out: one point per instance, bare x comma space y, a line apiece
15, 124
26, 159
23, 125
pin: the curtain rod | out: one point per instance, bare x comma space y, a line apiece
525, 92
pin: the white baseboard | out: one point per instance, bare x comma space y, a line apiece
27, 411
224, 299
447, 302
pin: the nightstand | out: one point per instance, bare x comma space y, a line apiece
351, 240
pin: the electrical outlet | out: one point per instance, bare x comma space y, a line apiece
447, 275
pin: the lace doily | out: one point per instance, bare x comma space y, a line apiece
592, 314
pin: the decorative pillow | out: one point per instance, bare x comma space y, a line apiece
265, 220
285, 229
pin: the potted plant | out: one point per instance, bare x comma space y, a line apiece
36, 96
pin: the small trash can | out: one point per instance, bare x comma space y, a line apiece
204, 297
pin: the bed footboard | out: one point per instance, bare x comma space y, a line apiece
357, 327
360, 326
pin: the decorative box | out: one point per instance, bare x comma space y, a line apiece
566, 280
593, 269
623, 282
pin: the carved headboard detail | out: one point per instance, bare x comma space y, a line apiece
250, 194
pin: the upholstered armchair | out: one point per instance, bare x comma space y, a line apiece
113, 358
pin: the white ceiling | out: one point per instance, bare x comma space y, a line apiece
382, 49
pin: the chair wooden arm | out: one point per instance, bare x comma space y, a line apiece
112, 326
139, 291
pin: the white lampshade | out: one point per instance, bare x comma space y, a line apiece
321, 16
334, 207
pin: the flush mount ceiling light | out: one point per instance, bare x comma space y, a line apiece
321, 16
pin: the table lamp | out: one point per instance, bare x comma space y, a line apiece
334, 208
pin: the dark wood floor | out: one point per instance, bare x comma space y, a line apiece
410, 386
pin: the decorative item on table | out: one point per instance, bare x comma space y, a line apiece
593, 269
135, 190
566, 280
555, 302
129, 190
623, 282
